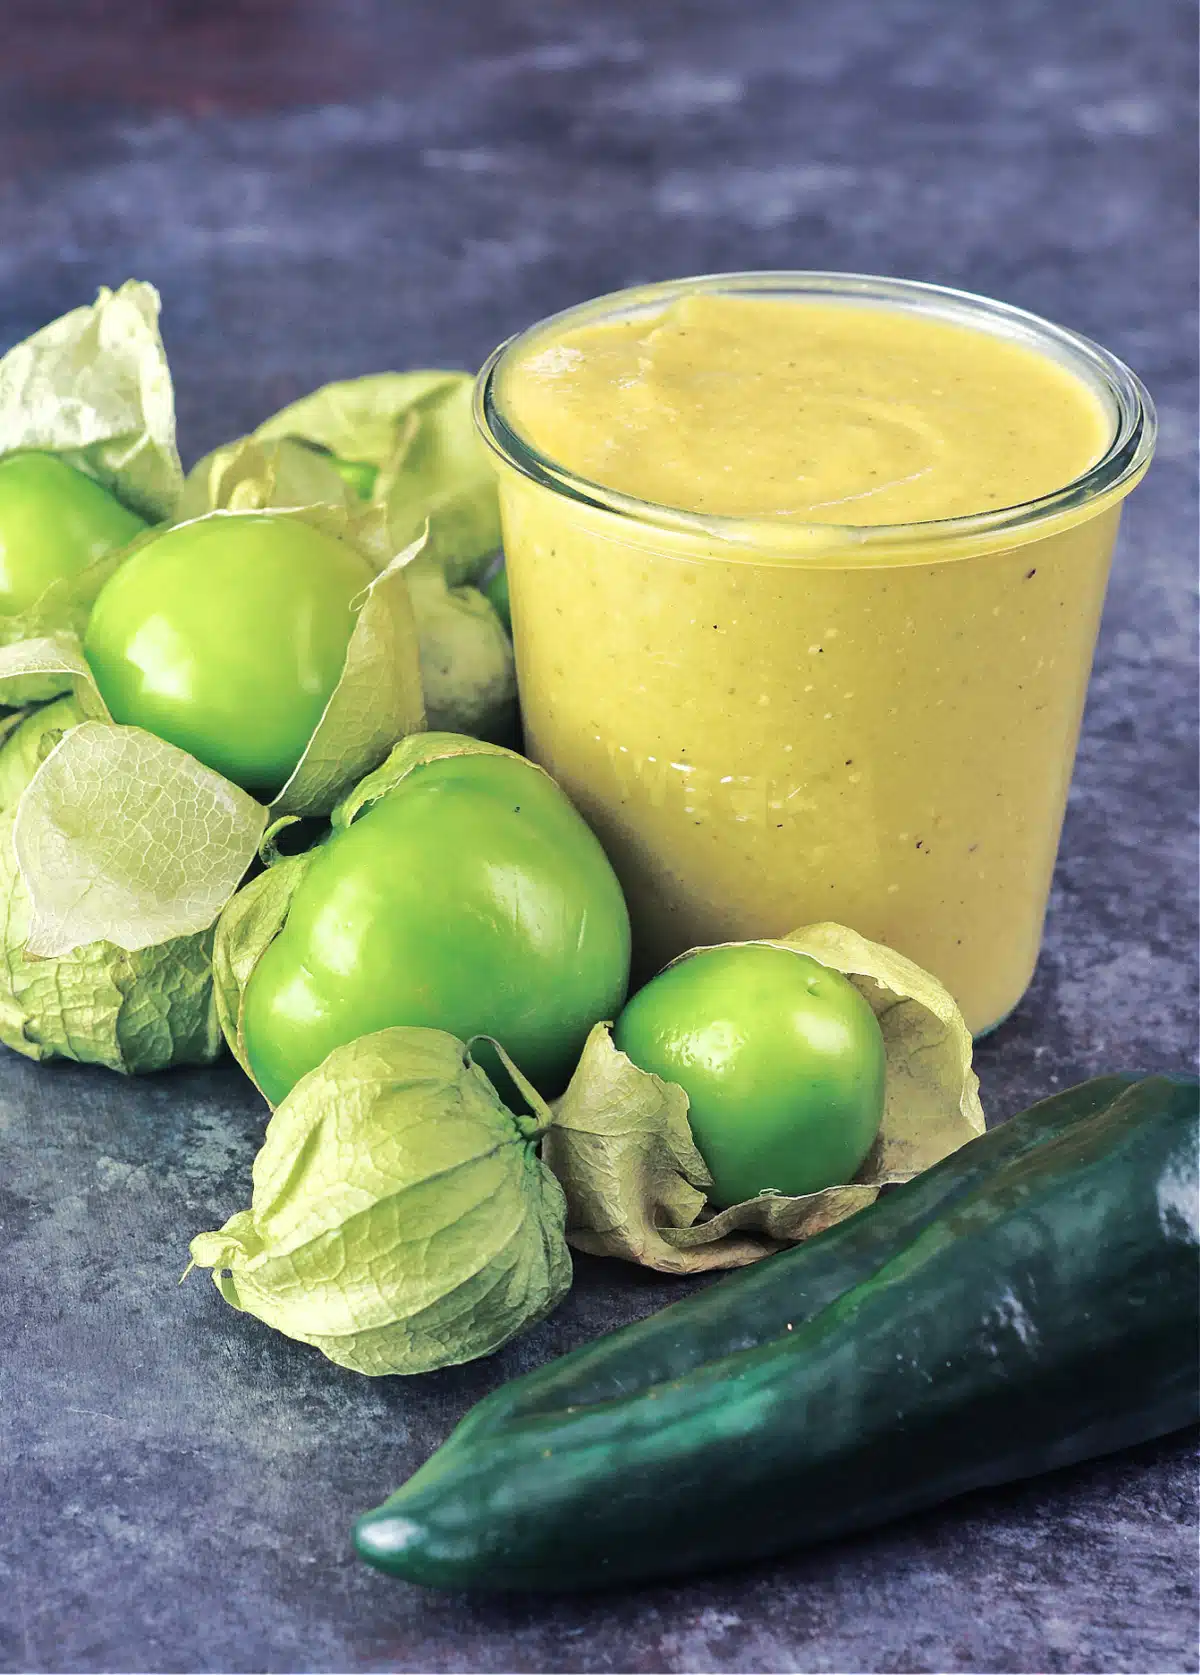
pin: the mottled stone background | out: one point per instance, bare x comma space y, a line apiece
323, 189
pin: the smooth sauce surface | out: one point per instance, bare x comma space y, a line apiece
817, 412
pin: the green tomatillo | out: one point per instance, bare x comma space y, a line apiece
459, 891
495, 590
782, 1061
360, 474
227, 636
54, 523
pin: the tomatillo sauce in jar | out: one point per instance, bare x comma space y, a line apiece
806, 572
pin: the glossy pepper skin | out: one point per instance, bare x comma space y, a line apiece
54, 522
226, 636
782, 1061
1029, 1302
471, 898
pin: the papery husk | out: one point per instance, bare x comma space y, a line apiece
378, 699
418, 429
123, 838
401, 1218
468, 672
99, 1004
249, 923
93, 387
80, 828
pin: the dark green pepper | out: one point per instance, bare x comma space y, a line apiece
1030, 1302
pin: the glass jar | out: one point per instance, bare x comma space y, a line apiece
770, 725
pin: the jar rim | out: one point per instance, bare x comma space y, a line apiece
1111, 476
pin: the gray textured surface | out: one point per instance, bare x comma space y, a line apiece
177, 1481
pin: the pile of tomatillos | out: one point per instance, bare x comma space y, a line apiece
262, 791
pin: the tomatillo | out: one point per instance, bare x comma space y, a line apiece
782, 1061
496, 590
227, 637
54, 522
360, 474
470, 898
